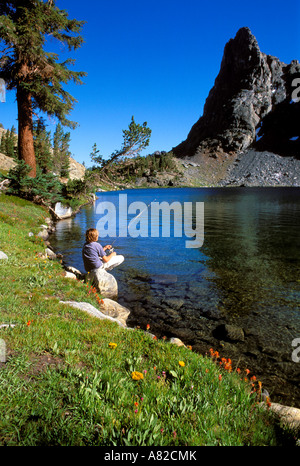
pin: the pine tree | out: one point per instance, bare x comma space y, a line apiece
11, 142
61, 153
3, 143
135, 139
96, 156
42, 146
35, 74
8, 142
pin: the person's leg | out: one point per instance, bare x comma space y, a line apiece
114, 262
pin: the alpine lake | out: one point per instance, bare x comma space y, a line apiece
237, 291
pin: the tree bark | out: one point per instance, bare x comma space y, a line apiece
25, 130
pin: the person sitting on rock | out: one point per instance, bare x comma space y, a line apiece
94, 256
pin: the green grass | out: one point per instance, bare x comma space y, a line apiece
63, 384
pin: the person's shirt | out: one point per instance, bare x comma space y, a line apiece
91, 255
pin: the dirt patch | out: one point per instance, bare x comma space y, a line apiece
41, 362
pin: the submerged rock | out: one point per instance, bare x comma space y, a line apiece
229, 333
164, 279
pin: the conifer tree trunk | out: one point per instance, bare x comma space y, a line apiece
25, 130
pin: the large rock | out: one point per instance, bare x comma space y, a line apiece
288, 415
249, 86
3, 255
2, 351
115, 310
91, 310
6, 163
104, 282
62, 211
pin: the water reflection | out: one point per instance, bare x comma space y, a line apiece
252, 243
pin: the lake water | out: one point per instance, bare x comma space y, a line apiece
246, 274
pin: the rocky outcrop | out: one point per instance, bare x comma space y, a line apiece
6, 163
251, 99
76, 170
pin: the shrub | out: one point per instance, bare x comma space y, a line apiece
46, 187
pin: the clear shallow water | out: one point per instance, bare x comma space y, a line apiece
246, 273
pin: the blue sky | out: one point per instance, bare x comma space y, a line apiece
157, 60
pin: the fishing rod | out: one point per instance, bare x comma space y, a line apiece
109, 251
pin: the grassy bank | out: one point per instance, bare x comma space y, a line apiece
71, 379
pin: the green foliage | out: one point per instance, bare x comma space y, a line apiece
36, 74
42, 146
135, 139
45, 187
96, 156
24, 27
61, 153
8, 143
130, 169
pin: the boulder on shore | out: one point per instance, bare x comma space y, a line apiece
3, 255
91, 310
115, 310
104, 282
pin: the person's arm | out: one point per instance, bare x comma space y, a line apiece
107, 258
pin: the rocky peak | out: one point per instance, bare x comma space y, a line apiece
249, 86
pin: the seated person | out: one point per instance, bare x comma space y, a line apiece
94, 256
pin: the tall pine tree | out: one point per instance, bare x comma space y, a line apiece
61, 153
35, 74
42, 146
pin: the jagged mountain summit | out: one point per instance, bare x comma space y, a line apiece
249, 106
